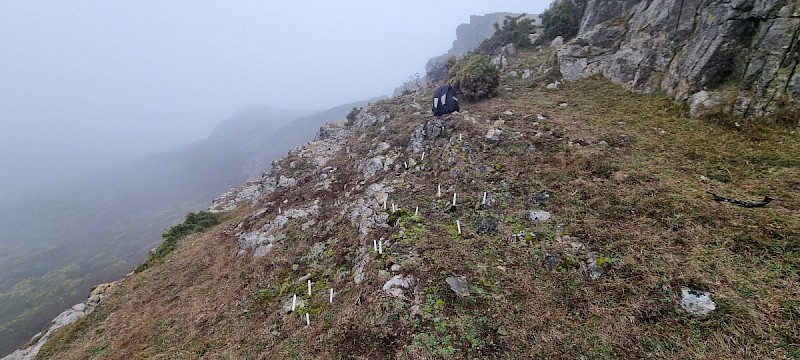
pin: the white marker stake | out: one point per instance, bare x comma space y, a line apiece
484, 198
459, 137
380, 247
454, 199
309, 287
439, 191
331, 300
384, 202
294, 302
394, 207
423, 156
308, 320
375, 245
458, 225
416, 211
406, 164
279, 210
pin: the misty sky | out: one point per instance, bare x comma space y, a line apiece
84, 83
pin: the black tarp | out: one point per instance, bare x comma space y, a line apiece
445, 100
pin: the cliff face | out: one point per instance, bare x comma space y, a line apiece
480, 27
469, 36
737, 56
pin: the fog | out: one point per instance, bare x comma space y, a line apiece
110, 116
88, 83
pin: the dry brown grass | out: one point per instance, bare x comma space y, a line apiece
638, 202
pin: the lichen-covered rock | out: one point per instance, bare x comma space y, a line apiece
538, 215
484, 224
742, 47
705, 103
263, 239
399, 284
286, 182
493, 135
593, 270
249, 191
372, 166
458, 284
696, 302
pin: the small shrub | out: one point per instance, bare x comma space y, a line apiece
515, 30
194, 223
476, 78
562, 18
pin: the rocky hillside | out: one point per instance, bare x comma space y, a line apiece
568, 223
740, 57
61, 240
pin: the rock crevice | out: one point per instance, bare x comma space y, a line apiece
741, 51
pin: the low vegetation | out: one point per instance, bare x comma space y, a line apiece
475, 77
194, 223
626, 177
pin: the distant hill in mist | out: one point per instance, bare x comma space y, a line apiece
61, 239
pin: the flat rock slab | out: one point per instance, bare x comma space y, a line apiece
696, 302
538, 215
458, 284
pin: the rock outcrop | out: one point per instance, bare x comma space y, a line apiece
742, 55
468, 37
69, 316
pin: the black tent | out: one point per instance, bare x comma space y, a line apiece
445, 100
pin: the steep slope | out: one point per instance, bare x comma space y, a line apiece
61, 240
579, 216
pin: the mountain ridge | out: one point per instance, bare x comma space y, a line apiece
579, 226
567, 223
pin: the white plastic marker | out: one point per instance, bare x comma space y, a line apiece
416, 211
484, 198
309, 286
459, 137
375, 245
406, 164
380, 247
279, 210
439, 191
454, 199
423, 156
308, 320
331, 300
384, 202
394, 207
458, 225
294, 302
